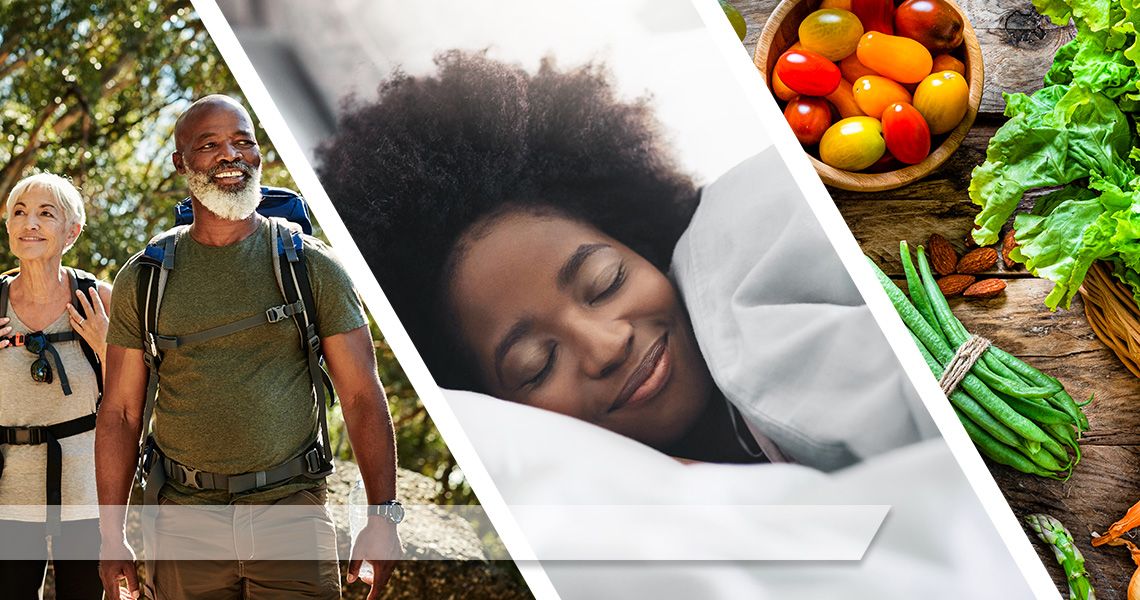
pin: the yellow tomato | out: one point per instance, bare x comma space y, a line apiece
831, 32
942, 98
853, 144
874, 94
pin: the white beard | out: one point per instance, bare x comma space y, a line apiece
234, 205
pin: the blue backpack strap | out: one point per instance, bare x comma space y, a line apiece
156, 262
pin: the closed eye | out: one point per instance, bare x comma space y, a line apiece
615, 285
539, 377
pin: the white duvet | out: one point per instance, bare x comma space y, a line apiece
790, 343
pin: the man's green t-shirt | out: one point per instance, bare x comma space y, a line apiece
243, 402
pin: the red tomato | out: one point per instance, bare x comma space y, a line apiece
932, 23
875, 15
809, 118
906, 133
807, 73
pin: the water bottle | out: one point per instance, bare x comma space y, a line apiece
357, 519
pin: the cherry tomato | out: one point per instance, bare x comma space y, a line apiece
876, 15
782, 91
807, 73
899, 58
945, 62
852, 69
844, 100
809, 117
844, 4
933, 23
832, 32
906, 133
853, 144
874, 94
942, 99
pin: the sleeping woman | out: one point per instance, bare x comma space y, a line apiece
540, 244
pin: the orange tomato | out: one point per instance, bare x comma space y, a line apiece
944, 62
782, 91
942, 98
844, 100
853, 144
899, 58
831, 32
852, 69
874, 94
843, 4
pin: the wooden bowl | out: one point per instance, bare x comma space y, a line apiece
782, 30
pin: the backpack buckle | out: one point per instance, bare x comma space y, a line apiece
27, 436
313, 460
189, 475
277, 313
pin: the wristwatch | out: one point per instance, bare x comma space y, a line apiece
391, 510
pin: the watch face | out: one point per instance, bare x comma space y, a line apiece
395, 512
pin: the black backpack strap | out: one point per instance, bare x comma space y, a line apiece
293, 278
84, 282
5, 281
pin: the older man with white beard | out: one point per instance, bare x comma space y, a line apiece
241, 403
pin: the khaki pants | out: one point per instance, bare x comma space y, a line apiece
251, 579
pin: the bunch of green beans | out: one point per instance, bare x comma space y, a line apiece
1015, 414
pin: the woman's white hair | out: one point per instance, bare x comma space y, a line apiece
61, 188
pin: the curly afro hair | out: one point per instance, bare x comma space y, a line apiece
415, 169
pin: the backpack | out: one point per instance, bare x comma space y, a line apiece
288, 217
80, 281
51, 434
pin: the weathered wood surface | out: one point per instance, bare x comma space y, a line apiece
1017, 47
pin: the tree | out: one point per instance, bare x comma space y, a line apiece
91, 90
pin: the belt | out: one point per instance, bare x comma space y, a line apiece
50, 435
310, 463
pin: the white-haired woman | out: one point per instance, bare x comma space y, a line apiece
53, 328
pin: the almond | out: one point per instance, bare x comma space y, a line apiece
986, 288
977, 260
952, 285
942, 255
1007, 246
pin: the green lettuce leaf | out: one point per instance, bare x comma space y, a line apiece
1056, 136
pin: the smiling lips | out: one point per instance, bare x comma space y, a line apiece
649, 378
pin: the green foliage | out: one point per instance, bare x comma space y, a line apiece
90, 90
419, 447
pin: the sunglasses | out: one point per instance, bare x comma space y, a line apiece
36, 343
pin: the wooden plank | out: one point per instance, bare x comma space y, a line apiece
1017, 44
1101, 489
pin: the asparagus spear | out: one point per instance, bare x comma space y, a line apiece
1052, 532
